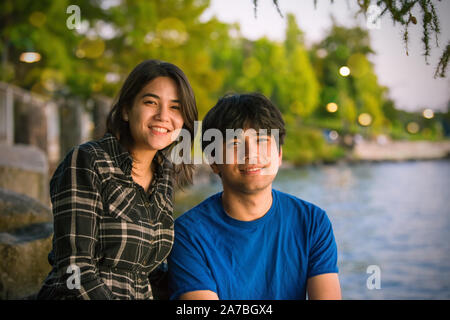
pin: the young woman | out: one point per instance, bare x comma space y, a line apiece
112, 198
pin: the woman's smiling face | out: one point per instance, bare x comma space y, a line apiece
155, 116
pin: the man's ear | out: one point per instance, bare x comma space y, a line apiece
215, 169
280, 156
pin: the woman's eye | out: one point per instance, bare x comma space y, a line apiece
176, 107
149, 102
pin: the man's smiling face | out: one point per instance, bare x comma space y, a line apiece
251, 162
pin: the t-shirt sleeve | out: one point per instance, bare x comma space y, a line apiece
188, 266
323, 250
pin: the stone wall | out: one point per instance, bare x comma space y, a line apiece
25, 220
24, 169
25, 241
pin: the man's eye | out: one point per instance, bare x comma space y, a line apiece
149, 102
234, 143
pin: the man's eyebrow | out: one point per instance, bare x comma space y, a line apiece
149, 94
258, 135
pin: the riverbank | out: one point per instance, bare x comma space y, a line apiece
400, 150
363, 151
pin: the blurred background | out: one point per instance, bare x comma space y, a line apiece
365, 98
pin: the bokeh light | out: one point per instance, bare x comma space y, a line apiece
365, 119
428, 113
171, 32
334, 135
332, 107
91, 49
344, 71
412, 127
30, 57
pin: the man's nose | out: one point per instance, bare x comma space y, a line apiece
251, 151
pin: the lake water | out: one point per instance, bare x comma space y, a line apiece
394, 216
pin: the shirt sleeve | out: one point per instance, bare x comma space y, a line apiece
188, 266
76, 202
323, 250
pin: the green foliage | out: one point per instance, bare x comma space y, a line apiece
215, 58
40, 26
306, 145
401, 11
79, 62
357, 93
281, 71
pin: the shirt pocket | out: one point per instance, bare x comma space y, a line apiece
120, 201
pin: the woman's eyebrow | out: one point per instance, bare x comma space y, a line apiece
149, 94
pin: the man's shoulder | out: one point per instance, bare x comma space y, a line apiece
204, 210
291, 199
296, 205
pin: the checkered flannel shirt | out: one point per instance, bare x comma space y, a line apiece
106, 226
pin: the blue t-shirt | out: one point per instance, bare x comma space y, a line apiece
270, 258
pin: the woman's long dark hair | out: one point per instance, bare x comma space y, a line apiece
141, 75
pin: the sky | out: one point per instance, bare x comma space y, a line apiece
410, 80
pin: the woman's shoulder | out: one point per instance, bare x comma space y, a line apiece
85, 154
100, 149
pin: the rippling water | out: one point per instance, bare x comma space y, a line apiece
392, 215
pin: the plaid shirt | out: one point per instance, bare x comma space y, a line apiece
106, 225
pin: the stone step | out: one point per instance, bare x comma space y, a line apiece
23, 259
18, 210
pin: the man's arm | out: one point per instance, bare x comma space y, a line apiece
324, 287
199, 295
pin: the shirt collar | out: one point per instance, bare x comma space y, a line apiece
123, 159
118, 153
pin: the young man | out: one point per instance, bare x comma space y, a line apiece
252, 242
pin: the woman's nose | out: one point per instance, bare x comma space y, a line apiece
163, 113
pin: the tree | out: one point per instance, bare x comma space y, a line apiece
281, 71
113, 38
40, 26
401, 11
298, 86
354, 94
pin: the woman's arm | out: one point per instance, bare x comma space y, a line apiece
76, 203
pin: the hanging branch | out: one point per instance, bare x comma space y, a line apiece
443, 62
275, 2
401, 11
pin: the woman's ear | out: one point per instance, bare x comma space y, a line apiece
125, 114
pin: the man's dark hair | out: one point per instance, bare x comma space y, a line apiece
244, 111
